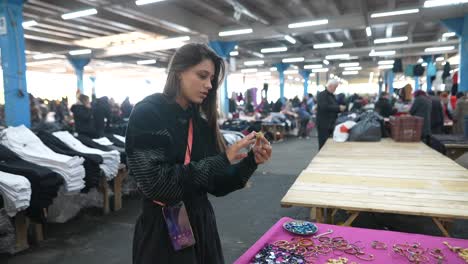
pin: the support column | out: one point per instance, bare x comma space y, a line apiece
79, 64
428, 78
223, 48
381, 81
281, 67
17, 111
305, 75
317, 78
416, 83
390, 76
459, 25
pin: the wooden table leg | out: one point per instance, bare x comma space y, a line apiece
441, 227
21, 229
351, 219
105, 193
319, 214
38, 232
118, 191
332, 216
313, 215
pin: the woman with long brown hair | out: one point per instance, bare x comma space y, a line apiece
177, 156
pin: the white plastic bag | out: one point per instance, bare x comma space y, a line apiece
341, 132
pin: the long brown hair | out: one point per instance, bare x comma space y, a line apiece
186, 57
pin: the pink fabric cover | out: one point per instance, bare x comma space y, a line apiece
366, 236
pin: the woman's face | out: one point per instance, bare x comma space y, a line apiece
196, 81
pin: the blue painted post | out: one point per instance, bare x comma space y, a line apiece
79, 64
416, 83
391, 76
281, 67
17, 111
459, 25
428, 78
305, 75
223, 48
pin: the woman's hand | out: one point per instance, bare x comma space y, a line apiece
262, 150
233, 152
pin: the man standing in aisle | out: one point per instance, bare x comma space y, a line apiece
327, 111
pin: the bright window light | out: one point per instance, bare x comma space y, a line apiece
291, 72
235, 32
254, 62
395, 13
353, 68
369, 31
290, 39
273, 69
326, 62
233, 53
436, 3
374, 53
337, 57
275, 49
420, 60
386, 62
30, 23
80, 52
289, 60
350, 72
390, 40
436, 49
146, 62
349, 64
290, 78
249, 70
145, 2
59, 70
308, 23
328, 45
313, 66
440, 59
44, 56
264, 73
449, 34
82, 13
320, 70
384, 67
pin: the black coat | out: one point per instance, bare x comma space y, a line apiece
156, 144
437, 115
384, 107
327, 111
422, 107
101, 112
84, 123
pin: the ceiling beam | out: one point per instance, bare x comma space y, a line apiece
238, 7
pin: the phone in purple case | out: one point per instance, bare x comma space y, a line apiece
178, 225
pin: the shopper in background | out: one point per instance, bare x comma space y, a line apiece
461, 111
327, 111
83, 116
437, 114
126, 108
421, 107
101, 115
169, 170
384, 106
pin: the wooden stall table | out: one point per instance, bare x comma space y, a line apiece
117, 189
382, 177
453, 146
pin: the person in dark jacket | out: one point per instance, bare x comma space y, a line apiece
168, 170
383, 105
327, 112
101, 115
422, 107
437, 114
83, 116
126, 108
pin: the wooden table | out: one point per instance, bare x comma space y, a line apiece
383, 177
454, 146
117, 188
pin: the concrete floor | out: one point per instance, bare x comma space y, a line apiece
242, 218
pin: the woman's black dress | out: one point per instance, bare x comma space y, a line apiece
156, 144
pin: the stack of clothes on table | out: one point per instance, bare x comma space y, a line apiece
16, 192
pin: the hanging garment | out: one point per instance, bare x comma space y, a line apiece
431, 69
397, 66
418, 70
409, 70
447, 70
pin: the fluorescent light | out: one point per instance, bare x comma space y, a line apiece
308, 23
374, 53
395, 13
236, 47
146, 62
273, 69
235, 32
113, 64
386, 62
59, 70
289, 60
233, 53
337, 57
145, 2
43, 56
420, 60
271, 50
328, 45
80, 52
445, 35
291, 72
390, 40
320, 70
326, 62
436, 49
369, 31
30, 23
82, 13
353, 68
313, 66
254, 62
249, 70
348, 64
290, 39
435, 3
383, 67
350, 72
424, 64
257, 54
295, 67
290, 78
440, 59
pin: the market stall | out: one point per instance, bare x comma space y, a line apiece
382, 177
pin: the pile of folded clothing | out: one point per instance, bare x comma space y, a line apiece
16, 192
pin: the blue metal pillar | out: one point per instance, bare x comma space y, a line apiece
460, 27
223, 48
79, 64
391, 76
416, 83
281, 67
17, 111
305, 75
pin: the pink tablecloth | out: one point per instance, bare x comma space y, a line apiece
366, 236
